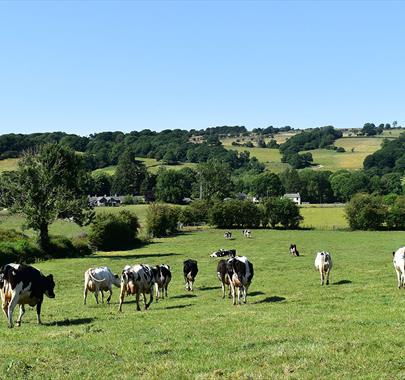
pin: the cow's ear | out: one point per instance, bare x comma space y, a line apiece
393, 253
50, 277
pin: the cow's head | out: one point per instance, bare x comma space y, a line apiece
216, 253
49, 286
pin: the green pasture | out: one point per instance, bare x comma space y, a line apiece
8, 164
290, 328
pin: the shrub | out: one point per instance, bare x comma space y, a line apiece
128, 200
366, 212
282, 211
396, 214
19, 251
114, 231
161, 220
61, 246
234, 213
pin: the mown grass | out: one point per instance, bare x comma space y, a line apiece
324, 218
291, 327
8, 164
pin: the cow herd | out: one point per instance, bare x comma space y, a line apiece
23, 284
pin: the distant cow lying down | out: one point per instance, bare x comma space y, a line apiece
100, 280
21, 285
224, 252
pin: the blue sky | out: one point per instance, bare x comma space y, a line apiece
85, 67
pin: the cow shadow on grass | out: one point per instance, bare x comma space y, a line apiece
271, 300
342, 282
254, 294
136, 257
183, 296
177, 306
204, 288
70, 322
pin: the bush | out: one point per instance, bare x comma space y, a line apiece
19, 251
282, 211
366, 212
114, 231
195, 213
396, 214
128, 200
61, 246
234, 213
161, 220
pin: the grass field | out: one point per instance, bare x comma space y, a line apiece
8, 164
291, 327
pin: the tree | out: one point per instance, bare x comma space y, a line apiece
369, 129
215, 179
174, 185
102, 183
129, 175
291, 180
345, 183
280, 211
315, 186
267, 185
366, 212
49, 184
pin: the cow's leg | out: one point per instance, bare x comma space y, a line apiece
5, 307
162, 289
245, 293
327, 276
157, 291
11, 307
186, 280
39, 304
223, 289
122, 296
166, 286
239, 290
102, 296
110, 295
85, 295
233, 292
138, 292
150, 298
322, 276
192, 285
22, 312
96, 294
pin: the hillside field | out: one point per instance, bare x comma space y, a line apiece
290, 328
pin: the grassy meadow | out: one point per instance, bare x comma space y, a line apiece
291, 327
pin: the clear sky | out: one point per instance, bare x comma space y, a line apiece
85, 67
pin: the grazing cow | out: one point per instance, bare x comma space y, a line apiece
136, 280
228, 235
294, 250
163, 276
240, 272
21, 285
399, 265
247, 233
100, 280
323, 262
224, 252
190, 270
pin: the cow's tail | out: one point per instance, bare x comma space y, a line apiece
95, 279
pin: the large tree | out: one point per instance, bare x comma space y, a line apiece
129, 175
49, 183
215, 180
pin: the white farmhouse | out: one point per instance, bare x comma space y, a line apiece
295, 197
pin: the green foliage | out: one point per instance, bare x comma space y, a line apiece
174, 185
315, 186
267, 184
129, 175
280, 211
346, 183
215, 179
234, 213
195, 213
49, 184
395, 218
101, 183
114, 231
291, 180
366, 212
161, 220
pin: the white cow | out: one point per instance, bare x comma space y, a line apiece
399, 265
100, 279
323, 263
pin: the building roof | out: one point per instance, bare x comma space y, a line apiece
292, 195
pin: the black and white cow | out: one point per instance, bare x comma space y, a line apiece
228, 235
294, 250
323, 262
224, 252
21, 285
240, 272
399, 265
100, 280
190, 270
137, 279
163, 276
247, 233
223, 277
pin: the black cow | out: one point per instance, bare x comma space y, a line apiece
224, 252
163, 276
190, 270
294, 250
22, 284
240, 272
